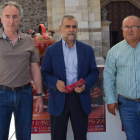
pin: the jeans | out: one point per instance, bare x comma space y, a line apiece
130, 117
21, 104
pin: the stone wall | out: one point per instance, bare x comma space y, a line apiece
79, 9
34, 13
95, 26
88, 15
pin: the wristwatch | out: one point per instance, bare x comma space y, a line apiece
40, 94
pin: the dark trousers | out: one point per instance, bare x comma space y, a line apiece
78, 118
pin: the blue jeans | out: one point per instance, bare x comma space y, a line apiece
21, 104
130, 117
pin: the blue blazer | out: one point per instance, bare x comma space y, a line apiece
53, 69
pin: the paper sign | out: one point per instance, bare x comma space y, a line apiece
71, 87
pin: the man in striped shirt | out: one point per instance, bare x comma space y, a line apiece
122, 76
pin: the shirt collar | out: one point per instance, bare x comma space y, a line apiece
130, 45
66, 45
5, 37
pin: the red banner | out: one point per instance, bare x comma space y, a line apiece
41, 122
96, 121
41, 126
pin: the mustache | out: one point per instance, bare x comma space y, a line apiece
71, 33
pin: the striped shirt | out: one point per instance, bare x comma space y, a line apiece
122, 72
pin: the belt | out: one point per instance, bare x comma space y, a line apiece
137, 100
16, 88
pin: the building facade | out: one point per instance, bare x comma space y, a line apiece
99, 21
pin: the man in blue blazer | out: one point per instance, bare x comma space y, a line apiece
64, 63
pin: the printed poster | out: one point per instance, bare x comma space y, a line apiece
41, 122
96, 121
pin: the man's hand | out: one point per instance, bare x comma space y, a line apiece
61, 86
80, 89
112, 107
39, 105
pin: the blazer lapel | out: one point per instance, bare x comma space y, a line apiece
60, 58
80, 55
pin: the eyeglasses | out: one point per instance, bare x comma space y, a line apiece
132, 27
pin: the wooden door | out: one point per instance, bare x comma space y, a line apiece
117, 11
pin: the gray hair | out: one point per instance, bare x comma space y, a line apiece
68, 17
132, 16
11, 3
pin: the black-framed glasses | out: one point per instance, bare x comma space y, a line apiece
131, 27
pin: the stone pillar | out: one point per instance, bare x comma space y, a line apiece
55, 9
88, 15
95, 36
79, 9
49, 14
105, 38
